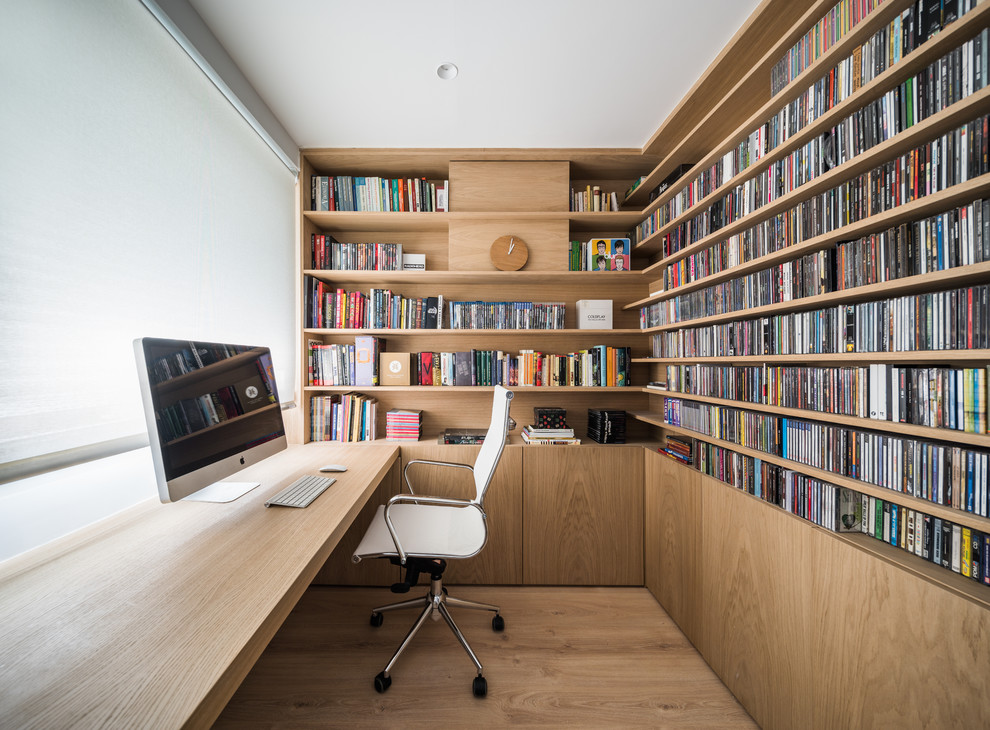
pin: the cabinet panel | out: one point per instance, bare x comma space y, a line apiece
758, 590
583, 515
672, 538
501, 559
893, 649
509, 186
470, 245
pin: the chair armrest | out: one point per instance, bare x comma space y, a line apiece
405, 476
424, 500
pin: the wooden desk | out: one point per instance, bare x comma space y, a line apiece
154, 618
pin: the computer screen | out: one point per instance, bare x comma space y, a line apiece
212, 409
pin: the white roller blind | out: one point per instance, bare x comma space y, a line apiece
134, 201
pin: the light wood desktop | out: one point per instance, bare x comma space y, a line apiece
152, 619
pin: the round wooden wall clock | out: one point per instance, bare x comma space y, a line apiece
509, 253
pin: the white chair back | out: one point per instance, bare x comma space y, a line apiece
491, 449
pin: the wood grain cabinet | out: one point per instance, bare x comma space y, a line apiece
583, 515
672, 540
500, 561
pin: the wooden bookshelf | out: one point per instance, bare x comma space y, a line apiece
492, 193
719, 559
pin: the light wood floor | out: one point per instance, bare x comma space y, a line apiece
569, 657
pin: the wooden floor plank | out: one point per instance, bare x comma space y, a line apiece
574, 657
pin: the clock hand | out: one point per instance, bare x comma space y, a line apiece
512, 245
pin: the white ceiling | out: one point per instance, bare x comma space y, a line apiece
533, 73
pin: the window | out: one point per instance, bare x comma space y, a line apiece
134, 200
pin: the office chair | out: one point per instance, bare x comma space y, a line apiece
421, 533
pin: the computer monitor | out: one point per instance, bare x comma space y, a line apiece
212, 409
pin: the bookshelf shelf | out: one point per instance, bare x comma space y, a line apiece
948, 278
487, 279
391, 222
718, 559
935, 125
448, 390
961, 586
339, 220
931, 508
492, 193
469, 333
944, 357
916, 209
908, 429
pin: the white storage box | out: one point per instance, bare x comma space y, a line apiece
594, 314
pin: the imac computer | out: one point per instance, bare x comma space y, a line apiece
212, 409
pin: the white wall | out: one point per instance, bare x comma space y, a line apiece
134, 201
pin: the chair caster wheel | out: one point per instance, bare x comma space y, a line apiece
498, 623
382, 682
479, 686
377, 619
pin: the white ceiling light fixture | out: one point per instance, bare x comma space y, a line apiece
446, 71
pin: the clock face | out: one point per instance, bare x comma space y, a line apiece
509, 253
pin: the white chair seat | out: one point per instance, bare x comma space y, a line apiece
425, 531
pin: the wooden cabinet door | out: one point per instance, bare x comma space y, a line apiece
583, 515
672, 539
500, 561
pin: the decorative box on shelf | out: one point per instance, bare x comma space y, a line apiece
594, 314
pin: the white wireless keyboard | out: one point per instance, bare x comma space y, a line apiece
301, 492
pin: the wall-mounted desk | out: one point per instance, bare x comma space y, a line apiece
153, 619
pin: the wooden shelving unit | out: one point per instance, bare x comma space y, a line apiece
485, 189
771, 599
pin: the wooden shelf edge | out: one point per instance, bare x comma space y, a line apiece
908, 429
922, 505
936, 280
423, 332
942, 577
915, 210
462, 389
473, 277
846, 358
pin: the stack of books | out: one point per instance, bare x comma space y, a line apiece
402, 425
679, 449
607, 426
462, 436
549, 436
